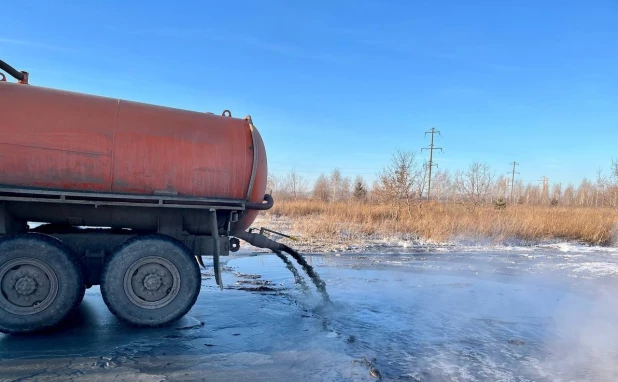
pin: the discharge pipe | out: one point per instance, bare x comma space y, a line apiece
12, 71
269, 202
262, 241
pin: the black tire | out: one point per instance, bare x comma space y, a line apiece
150, 281
41, 283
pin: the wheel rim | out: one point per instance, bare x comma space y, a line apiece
27, 286
152, 282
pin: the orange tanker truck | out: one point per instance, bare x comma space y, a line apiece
129, 196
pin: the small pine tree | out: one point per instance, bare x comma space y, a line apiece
360, 190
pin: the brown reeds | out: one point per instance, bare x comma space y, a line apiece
446, 222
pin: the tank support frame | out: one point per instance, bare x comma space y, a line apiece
161, 199
93, 245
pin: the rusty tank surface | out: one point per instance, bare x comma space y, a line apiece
129, 196
61, 140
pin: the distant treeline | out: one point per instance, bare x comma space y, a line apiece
404, 183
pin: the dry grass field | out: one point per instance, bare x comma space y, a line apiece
439, 222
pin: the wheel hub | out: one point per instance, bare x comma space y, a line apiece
152, 282
27, 286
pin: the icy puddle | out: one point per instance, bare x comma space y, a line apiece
461, 314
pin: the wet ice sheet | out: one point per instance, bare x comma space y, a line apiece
512, 315
483, 316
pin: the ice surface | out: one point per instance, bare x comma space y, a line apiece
424, 311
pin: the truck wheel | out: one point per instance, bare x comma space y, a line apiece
40, 283
150, 281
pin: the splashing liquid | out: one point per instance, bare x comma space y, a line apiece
319, 283
298, 279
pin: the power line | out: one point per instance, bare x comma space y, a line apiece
431, 148
513, 177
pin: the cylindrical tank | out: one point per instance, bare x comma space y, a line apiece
56, 139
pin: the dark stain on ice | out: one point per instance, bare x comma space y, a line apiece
261, 288
196, 325
255, 282
247, 276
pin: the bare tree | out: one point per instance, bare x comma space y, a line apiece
441, 184
518, 192
500, 187
474, 185
556, 193
322, 189
606, 188
569, 195
398, 182
273, 185
611, 190
340, 186
601, 187
344, 189
295, 185
335, 182
584, 193
423, 179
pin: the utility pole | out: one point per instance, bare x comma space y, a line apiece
513, 178
431, 148
545, 181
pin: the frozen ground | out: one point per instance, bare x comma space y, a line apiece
425, 313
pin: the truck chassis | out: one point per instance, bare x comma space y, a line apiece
148, 277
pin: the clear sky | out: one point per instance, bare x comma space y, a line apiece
344, 83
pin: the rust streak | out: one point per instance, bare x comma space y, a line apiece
111, 170
53, 149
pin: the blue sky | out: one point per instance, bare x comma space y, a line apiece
346, 83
